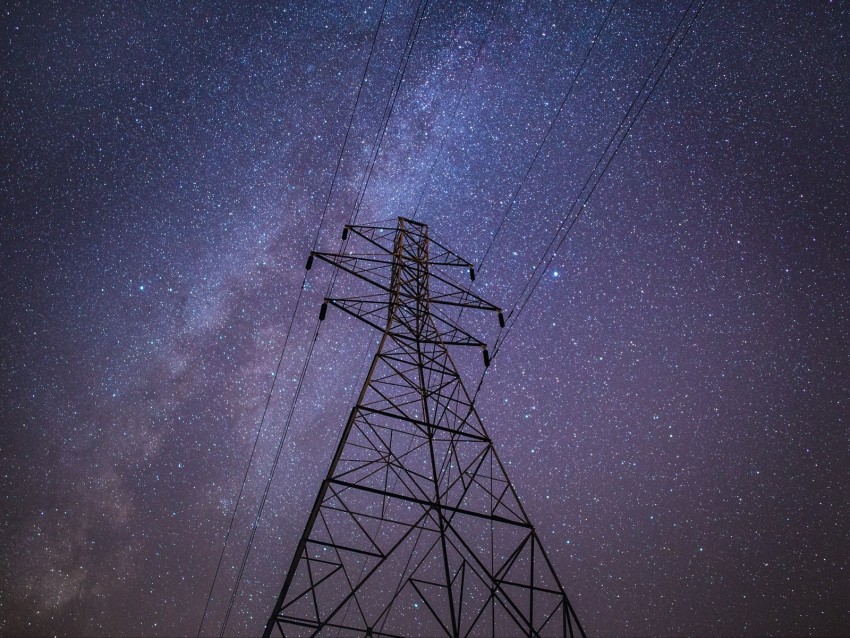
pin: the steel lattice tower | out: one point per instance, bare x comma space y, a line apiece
416, 530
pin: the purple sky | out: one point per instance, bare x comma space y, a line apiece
671, 405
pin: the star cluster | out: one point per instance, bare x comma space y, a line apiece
671, 405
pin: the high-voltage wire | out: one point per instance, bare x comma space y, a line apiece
388, 110
652, 80
545, 138
291, 323
256, 523
418, 17
540, 146
367, 174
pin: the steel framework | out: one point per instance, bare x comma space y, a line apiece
416, 530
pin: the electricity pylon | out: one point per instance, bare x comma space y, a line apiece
416, 530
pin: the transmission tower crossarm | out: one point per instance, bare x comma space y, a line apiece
370, 311
352, 265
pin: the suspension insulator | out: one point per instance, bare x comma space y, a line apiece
501, 320
486, 358
472, 274
310, 261
344, 233
323, 311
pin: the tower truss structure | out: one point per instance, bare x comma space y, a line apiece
416, 529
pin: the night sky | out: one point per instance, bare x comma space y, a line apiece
672, 405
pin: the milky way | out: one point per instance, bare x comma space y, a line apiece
671, 405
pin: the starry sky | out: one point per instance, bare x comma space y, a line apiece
672, 405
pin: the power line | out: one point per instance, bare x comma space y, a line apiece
545, 138
537, 152
265, 495
570, 219
382, 130
627, 121
388, 110
291, 321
